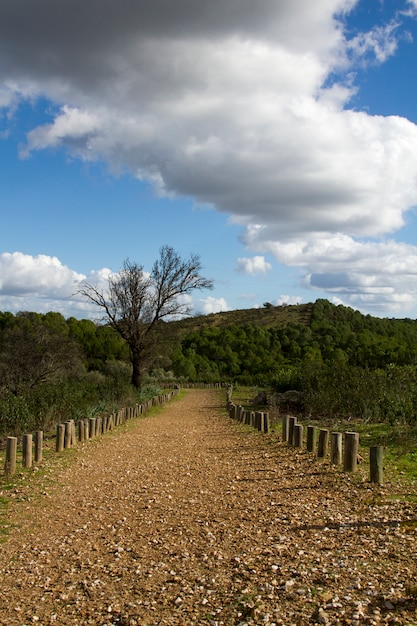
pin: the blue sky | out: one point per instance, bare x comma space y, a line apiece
276, 140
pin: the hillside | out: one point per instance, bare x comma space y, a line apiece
279, 345
266, 317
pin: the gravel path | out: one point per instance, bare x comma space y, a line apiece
187, 518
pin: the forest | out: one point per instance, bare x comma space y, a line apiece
343, 364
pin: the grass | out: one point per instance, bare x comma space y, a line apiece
399, 441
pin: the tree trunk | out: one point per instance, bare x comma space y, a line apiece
136, 372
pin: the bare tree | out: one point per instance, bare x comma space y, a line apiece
136, 301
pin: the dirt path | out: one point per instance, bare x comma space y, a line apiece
188, 518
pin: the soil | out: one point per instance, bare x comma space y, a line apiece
187, 517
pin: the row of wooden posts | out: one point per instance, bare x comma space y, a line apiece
256, 419
71, 432
344, 447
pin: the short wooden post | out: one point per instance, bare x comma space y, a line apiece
336, 449
68, 434
376, 454
311, 438
73, 434
291, 424
92, 427
285, 427
27, 451
60, 437
11, 453
351, 451
81, 431
323, 443
38, 446
298, 435
266, 425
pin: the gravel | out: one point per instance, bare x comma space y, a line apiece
188, 518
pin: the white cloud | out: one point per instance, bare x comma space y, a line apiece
212, 305
255, 265
24, 274
380, 43
71, 126
365, 275
286, 299
42, 283
230, 103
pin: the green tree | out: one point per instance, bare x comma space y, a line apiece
33, 352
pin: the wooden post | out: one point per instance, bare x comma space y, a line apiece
336, 449
86, 428
285, 427
311, 438
11, 453
27, 451
376, 454
323, 443
60, 437
351, 451
298, 435
92, 427
73, 434
291, 424
38, 446
266, 426
81, 431
68, 434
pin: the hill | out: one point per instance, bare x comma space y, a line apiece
266, 317
255, 344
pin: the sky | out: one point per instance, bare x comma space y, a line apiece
277, 140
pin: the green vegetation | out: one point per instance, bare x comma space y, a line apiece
345, 367
52, 369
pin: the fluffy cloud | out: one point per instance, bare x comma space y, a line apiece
255, 265
365, 275
24, 274
212, 305
285, 299
243, 106
42, 283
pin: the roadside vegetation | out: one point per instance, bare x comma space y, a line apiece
344, 367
